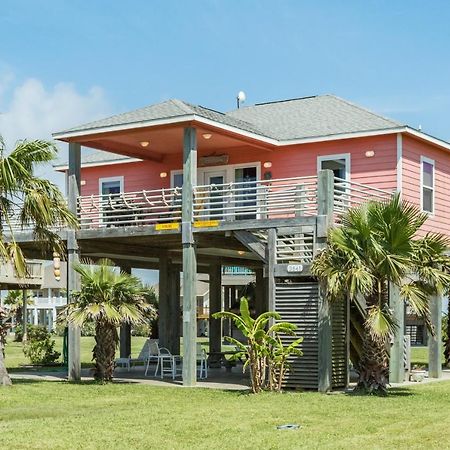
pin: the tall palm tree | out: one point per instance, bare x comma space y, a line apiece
377, 244
108, 298
29, 202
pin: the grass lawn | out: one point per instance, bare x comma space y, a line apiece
15, 356
88, 415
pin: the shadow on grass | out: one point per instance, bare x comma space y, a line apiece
392, 392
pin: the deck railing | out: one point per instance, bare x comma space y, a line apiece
130, 208
248, 200
8, 274
262, 199
349, 194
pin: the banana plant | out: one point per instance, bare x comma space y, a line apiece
262, 339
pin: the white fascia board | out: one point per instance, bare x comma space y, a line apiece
336, 137
99, 163
127, 126
240, 131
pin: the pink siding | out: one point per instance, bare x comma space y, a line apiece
299, 160
413, 149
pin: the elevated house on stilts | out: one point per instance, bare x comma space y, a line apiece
182, 188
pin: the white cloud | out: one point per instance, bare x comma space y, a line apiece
30, 110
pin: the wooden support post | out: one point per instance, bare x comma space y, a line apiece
396, 366
125, 330
271, 258
215, 305
189, 259
24, 315
73, 278
175, 309
435, 342
325, 200
260, 292
164, 319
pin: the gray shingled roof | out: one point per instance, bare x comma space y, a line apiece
95, 156
307, 117
165, 110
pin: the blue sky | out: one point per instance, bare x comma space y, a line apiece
64, 62
388, 56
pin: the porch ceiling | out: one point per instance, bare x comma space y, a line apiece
164, 140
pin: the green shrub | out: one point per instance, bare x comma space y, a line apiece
143, 329
40, 347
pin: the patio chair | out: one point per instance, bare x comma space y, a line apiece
147, 353
203, 360
165, 361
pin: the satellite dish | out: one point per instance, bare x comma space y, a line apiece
240, 98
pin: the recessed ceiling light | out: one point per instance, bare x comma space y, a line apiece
144, 143
207, 136
240, 252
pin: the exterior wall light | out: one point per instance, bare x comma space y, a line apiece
163, 174
207, 136
370, 153
240, 252
144, 143
267, 164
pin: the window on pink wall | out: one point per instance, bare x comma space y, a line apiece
427, 184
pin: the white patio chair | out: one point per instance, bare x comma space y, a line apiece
166, 362
203, 360
144, 355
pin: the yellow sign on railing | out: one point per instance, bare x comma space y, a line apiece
206, 223
167, 226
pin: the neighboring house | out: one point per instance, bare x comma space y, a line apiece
46, 302
46, 295
261, 184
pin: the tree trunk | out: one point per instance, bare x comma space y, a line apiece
106, 341
5, 379
18, 320
447, 343
373, 367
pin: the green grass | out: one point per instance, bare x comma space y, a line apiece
15, 357
88, 415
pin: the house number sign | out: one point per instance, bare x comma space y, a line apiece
294, 268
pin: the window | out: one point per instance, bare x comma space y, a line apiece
339, 164
427, 184
177, 179
110, 185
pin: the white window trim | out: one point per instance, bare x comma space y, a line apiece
345, 156
228, 168
433, 164
120, 179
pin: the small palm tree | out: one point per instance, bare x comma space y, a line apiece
377, 244
108, 298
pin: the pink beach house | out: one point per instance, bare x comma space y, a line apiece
183, 188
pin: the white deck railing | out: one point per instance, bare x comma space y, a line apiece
349, 194
262, 199
251, 200
130, 208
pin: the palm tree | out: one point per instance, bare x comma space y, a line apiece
29, 202
108, 298
377, 244
14, 300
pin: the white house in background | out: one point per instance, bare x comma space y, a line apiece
46, 295
49, 298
